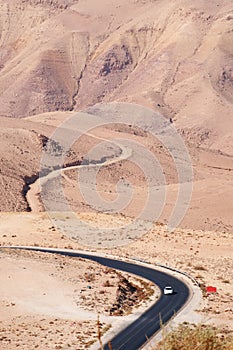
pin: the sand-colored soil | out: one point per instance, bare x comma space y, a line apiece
33, 332
210, 207
172, 56
50, 300
205, 255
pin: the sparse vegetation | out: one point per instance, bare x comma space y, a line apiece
107, 284
164, 55
191, 337
200, 268
225, 281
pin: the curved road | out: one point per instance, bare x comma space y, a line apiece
138, 332
34, 190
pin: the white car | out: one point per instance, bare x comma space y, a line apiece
168, 290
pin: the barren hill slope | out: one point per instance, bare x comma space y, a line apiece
59, 57
175, 56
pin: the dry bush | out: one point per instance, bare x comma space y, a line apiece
201, 337
107, 284
200, 268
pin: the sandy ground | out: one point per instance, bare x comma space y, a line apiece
49, 300
201, 247
206, 255
178, 62
212, 176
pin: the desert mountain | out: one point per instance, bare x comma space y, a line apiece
172, 56
61, 57
175, 56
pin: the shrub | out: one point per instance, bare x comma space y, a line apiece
201, 337
200, 268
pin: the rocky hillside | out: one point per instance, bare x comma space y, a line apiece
174, 56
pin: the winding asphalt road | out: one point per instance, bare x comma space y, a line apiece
137, 333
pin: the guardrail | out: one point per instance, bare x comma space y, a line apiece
178, 271
169, 268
